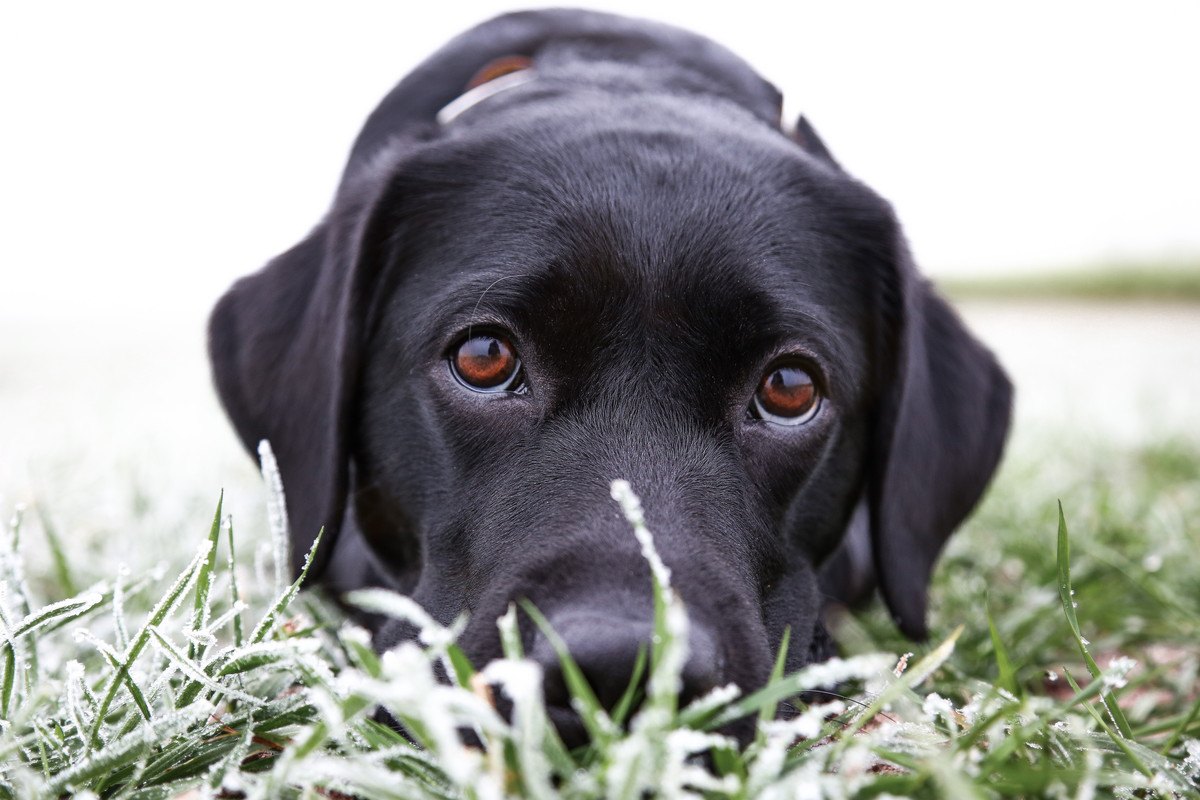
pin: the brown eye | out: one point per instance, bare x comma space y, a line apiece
487, 364
786, 396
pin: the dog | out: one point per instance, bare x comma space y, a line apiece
572, 247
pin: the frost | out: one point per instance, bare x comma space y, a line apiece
840, 670
1190, 766
393, 604
277, 516
1118, 669
631, 508
714, 699
937, 706
672, 654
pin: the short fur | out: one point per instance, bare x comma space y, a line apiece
638, 220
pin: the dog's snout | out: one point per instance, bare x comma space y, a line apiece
607, 649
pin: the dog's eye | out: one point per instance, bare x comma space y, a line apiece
786, 396
487, 363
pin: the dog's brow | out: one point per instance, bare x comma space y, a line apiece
483, 294
486, 298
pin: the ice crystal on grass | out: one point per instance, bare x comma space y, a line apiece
1190, 766
1115, 677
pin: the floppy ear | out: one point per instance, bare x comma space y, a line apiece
806, 136
284, 349
939, 435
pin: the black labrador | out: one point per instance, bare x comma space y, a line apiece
572, 247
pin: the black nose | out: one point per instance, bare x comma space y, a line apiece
606, 650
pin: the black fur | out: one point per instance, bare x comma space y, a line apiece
638, 221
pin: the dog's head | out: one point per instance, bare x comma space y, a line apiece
621, 268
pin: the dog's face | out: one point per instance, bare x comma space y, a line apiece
560, 288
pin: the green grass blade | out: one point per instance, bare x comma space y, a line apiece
1120, 740
592, 714
811, 677
234, 596
160, 612
188, 667
10, 675
629, 697
463, 670
1181, 731
286, 597
58, 557
201, 608
769, 711
58, 614
1067, 593
510, 634
1007, 675
911, 677
114, 661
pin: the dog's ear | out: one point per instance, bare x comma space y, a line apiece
805, 135
284, 349
940, 431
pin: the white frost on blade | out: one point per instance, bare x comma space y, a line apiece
1118, 670
189, 668
664, 680
631, 508
936, 706
70, 608
85, 636
681, 778
768, 764
1190, 766
806, 725
120, 632
76, 691
510, 632
629, 768
322, 773
917, 739
398, 606
806, 782
522, 682
840, 670
717, 698
221, 621
409, 689
277, 518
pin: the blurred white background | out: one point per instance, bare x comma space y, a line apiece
151, 152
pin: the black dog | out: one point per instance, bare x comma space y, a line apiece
571, 247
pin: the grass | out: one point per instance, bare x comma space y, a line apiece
1063, 664
1170, 281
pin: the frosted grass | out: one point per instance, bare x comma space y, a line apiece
190, 705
